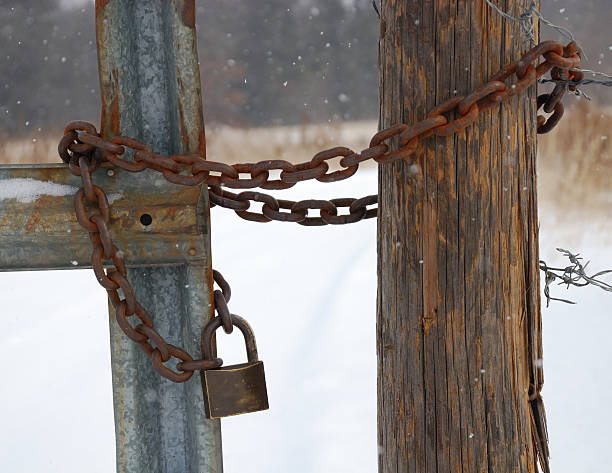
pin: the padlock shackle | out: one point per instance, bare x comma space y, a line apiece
245, 328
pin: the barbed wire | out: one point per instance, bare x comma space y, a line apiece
606, 83
589, 71
573, 275
526, 20
376, 8
575, 84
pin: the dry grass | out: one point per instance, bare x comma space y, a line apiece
38, 150
231, 145
291, 143
575, 177
575, 160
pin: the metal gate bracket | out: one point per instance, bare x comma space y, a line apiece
154, 222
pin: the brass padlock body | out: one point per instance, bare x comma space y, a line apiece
235, 389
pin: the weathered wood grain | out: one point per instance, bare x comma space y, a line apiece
458, 324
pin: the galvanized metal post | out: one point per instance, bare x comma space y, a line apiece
150, 85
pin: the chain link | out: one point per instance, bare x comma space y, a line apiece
297, 212
84, 150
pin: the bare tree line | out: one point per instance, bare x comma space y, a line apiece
262, 63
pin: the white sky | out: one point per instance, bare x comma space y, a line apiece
71, 3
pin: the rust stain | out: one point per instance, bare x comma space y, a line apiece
41, 203
115, 116
111, 118
100, 6
188, 13
211, 282
183, 125
32, 221
202, 143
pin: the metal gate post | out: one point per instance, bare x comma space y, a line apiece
150, 87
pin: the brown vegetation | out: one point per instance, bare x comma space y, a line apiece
575, 162
230, 145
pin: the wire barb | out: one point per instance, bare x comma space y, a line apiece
573, 275
595, 73
526, 20
376, 8
576, 84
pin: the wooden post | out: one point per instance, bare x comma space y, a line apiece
458, 325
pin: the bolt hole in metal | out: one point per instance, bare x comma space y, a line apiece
146, 219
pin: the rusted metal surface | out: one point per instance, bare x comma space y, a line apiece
150, 88
448, 118
39, 230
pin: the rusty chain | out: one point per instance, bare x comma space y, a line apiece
81, 138
297, 210
84, 150
143, 333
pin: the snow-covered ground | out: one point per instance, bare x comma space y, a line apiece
310, 295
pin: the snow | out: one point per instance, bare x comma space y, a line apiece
310, 295
27, 190
114, 197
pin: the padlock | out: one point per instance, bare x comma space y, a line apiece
235, 389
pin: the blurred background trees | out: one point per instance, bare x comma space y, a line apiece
268, 62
